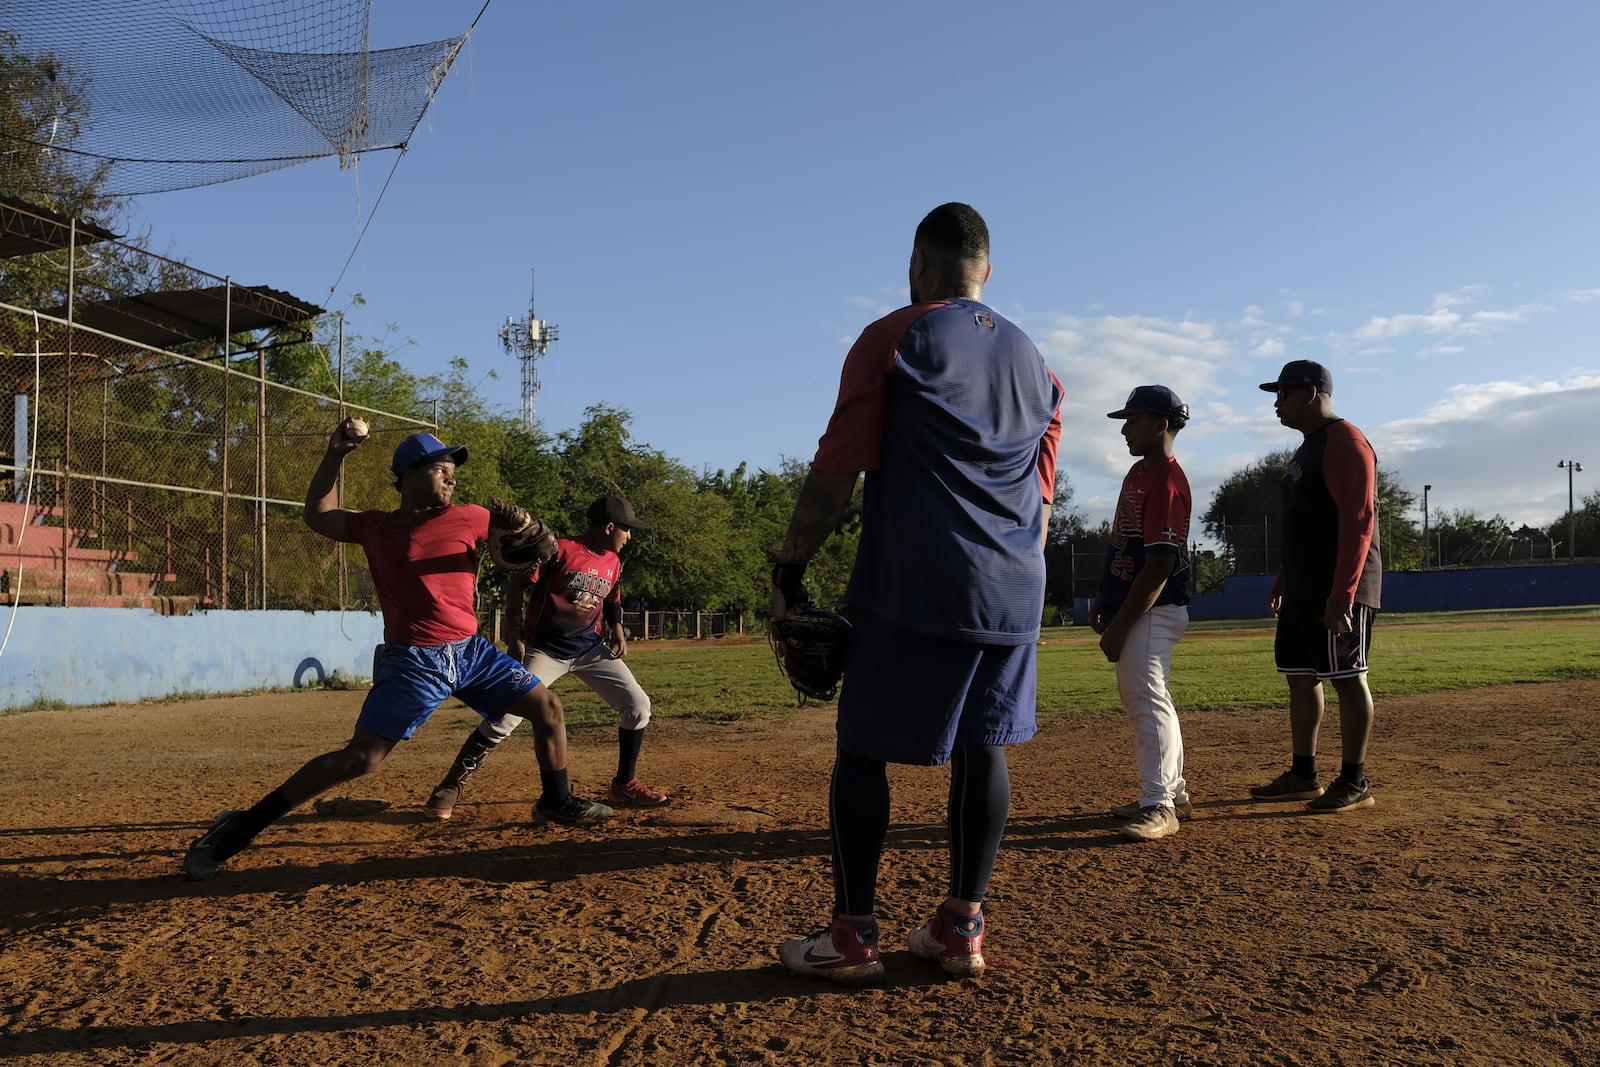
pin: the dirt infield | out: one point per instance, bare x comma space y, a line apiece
1455, 923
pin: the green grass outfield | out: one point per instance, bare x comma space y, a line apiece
1219, 666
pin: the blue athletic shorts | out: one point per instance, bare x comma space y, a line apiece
911, 698
1305, 645
413, 680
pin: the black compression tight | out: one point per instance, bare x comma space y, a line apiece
858, 814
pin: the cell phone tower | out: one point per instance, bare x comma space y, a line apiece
528, 338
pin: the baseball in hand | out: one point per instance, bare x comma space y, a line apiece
356, 429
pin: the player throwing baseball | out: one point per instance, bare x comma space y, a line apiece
1326, 593
1139, 610
424, 561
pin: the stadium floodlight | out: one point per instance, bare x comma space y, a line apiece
1571, 466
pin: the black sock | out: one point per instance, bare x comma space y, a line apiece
267, 811
1353, 772
555, 786
629, 742
1304, 766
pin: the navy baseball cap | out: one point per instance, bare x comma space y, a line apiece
1158, 400
1301, 372
614, 509
422, 448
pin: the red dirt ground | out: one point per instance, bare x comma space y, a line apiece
1455, 923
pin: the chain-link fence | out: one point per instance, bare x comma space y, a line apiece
135, 476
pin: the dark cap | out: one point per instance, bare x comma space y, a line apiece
1301, 372
1158, 400
422, 448
614, 509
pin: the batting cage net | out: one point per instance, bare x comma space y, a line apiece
147, 459
141, 96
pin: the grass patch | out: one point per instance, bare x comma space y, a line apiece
1217, 667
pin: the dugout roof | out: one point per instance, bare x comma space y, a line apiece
28, 228
182, 316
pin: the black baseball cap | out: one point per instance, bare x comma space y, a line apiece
614, 509
1301, 372
1158, 400
422, 448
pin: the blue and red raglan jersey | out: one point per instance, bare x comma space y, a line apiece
1330, 520
1153, 512
425, 570
955, 418
569, 594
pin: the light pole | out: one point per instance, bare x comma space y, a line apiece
1425, 490
1571, 466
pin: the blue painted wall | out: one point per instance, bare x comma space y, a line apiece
85, 656
1480, 589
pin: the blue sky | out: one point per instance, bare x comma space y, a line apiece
717, 197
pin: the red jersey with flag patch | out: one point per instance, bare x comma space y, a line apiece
569, 595
1152, 516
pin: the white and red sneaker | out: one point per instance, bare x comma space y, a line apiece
956, 941
842, 952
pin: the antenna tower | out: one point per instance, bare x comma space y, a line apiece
528, 338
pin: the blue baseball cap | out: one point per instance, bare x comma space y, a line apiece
422, 448
1158, 400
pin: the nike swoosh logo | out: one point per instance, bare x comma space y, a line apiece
811, 957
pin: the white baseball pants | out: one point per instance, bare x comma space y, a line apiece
1142, 672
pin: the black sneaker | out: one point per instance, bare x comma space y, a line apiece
1343, 795
1288, 786
200, 862
575, 811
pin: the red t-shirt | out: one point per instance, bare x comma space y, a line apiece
425, 569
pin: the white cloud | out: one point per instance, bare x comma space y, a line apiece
1491, 447
1581, 296
1384, 327
1100, 359
1269, 348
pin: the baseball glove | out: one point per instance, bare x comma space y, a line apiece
812, 646
517, 541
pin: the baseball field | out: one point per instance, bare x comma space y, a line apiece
1457, 922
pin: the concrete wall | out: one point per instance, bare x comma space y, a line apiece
85, 656
1480, 589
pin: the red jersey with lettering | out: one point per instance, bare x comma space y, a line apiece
1152, 515
425, 570
568, 597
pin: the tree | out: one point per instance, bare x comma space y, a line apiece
1246, 512
1071, 555
1587, 520
43, 106
1462, 539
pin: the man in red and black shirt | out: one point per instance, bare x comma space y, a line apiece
1327, 590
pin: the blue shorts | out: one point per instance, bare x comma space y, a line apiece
911, 698
413, 680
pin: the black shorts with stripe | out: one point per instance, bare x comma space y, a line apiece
1304, 645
